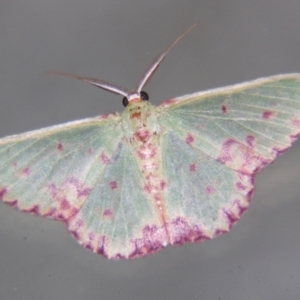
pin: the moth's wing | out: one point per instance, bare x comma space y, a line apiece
83, 174
118, 220
213, 144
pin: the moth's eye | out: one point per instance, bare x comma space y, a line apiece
144, 95
125, 101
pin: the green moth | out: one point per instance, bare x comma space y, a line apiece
128, 184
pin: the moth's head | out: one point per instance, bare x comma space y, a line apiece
135, 97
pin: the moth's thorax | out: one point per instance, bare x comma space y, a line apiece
142, 132
139, 116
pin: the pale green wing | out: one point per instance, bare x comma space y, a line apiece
75, 172
118, 220
213, 144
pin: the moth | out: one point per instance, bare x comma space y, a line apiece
128, 184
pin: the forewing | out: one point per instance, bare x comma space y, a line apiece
52, 171
84, 174
213, 144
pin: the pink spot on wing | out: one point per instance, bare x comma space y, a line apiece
89, 240
113, 185
230, 216
77, 227
209, 190
59, 147
104, 158
250, 139
3, 192
108, 213
147, 188
189, 139
220, 231
277, 151
224, 108
153, 238
241, 158
75, 234
68, 197
180, 231
79, 223
13, 203
89, 246
192, 167
25, 172
50, 213
241, 208
82, 192
240, 186
294, 137
226, 156
91, 236
296, 122
34, 210
90, 151
168, 102
65, 205
268, 114
163, 184
15, 165
101, 245
103, 117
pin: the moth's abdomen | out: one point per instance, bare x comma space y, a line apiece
144, 140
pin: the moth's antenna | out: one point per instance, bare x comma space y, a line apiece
152, 68
143, 81
97, 82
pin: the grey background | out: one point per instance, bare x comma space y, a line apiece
236, 40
